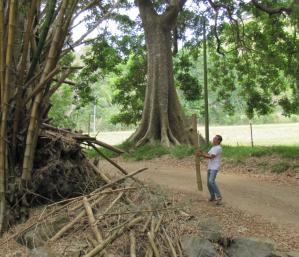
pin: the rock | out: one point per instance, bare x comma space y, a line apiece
293, 254
194, 246
211, 230
278, 254
38, 235
289, 254
41, 252
250, 247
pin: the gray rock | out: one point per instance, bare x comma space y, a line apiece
38, 235
41, 252
279, 254
250, 247
293, 254
194, 246
211, 230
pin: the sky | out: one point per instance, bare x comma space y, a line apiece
79, 30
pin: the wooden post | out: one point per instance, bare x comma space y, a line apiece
197, 160
251, 135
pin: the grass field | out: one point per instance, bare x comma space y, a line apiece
269, 134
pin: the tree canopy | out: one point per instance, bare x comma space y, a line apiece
253, 55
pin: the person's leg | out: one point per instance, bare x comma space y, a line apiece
212, 194
213, 185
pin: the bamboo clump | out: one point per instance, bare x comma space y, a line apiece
34, 37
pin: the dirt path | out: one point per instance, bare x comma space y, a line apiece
278, 204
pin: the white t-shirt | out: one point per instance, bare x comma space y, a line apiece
214, 164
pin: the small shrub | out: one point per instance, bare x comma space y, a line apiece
280, 167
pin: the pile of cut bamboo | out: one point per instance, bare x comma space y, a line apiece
125, 220
124, 217
117, 217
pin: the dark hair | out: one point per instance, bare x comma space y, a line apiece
219, 138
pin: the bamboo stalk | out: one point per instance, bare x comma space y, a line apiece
4, 109
2, 132
97, 171
31, 133
153, 232
92, 221
120, 180
108, 159
2, 55
170, 244
93, 195
140, 211
110, 207
114, 236
146, 223
45, 29
42, 84
72, 223
79, 205
21, 70
132, 244
91, 240
153, 245
179, 248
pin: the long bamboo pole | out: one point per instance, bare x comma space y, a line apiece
33, 126
113, 237
92, 221
45, 29
21, 71
2, 55
6, 91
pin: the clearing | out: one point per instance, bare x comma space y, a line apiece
266, 134
261, 205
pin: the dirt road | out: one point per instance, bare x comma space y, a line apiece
275, 203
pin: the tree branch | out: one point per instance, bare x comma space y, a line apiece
269, 10
146, 8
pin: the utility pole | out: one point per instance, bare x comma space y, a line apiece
94, 118
205, 75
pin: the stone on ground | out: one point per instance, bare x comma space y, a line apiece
194, 246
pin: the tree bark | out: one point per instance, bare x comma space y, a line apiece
163, 119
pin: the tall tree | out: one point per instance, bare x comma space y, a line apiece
163, 119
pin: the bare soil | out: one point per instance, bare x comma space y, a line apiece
254, 203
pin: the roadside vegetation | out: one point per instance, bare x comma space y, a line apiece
286, 156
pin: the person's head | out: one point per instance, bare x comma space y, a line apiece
217, 140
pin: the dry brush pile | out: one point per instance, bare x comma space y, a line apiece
120, 216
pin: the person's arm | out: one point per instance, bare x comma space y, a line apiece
205, 155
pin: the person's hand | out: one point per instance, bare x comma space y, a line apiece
198, 153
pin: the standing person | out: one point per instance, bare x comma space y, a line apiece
214, 156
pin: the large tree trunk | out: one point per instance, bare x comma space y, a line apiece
163, 119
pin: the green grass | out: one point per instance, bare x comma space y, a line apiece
240, 153
280, 167
182, 151
147, 152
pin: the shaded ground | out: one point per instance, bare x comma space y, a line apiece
254, 204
